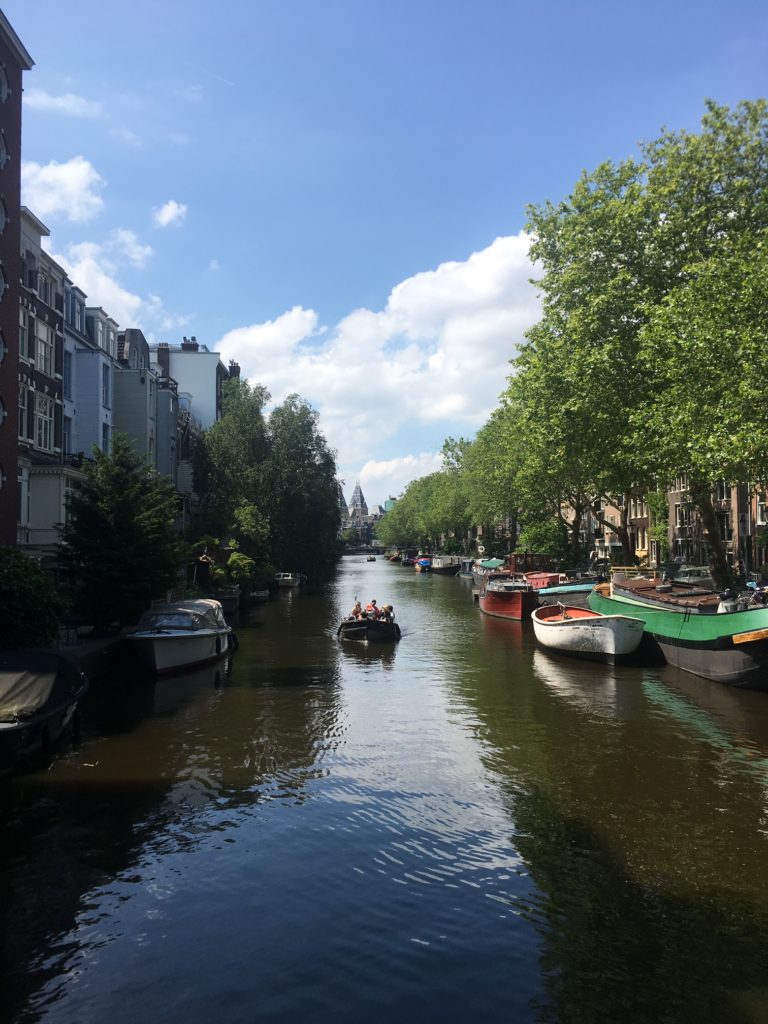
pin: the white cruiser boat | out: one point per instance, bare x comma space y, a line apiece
172, 637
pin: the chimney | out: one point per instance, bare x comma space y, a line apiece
164, 358
189, 345
234, 369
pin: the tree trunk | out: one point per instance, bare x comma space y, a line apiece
722, 574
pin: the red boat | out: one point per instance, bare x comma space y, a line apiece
507, 596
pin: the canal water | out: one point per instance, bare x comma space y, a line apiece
461, 828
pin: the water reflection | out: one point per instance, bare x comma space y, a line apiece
608, 691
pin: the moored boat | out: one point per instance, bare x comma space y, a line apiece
423, 565
541, 579
574, 592
172, 637
369, 630
583, 633
507, 596
287, 580
695, 630
39, 695
445, 565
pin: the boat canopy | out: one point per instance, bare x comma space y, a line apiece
22, 692
200, 613
492, 563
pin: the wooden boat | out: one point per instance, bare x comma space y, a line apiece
695, 629
370, 631
583, 633
172, 637
507, 595
257, 595
39, 695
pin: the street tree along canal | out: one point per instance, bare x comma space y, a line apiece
458, 827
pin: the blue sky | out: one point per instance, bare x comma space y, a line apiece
333, 192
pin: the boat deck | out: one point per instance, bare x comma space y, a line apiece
672, 594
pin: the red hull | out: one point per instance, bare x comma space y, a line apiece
510, 604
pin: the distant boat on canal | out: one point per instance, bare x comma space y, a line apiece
369, 631
507, 595
287, 580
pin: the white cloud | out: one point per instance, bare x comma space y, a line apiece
128, 244
170, 213
214, 265
70, 189
434, 359
68, 103
390, 477
95, 267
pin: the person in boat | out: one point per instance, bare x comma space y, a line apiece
372, 610
357, 611
388, 613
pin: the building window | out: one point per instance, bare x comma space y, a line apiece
722, 491
80, 317
4, 218
5, 156
106, 380
3, 348
100, 334
105, 438
5, 89
44, 358
67, 375
23, 333
66, 435
44, 288
44, 422
762, 520
23, 398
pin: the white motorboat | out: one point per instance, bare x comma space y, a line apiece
177, 636
582, 633
287, 579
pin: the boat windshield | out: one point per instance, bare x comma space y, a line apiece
170, 620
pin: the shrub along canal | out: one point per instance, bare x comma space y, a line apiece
457, 828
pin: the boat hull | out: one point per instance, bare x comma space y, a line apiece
580, 633
169, 652
727, 647
369, 631
508, 604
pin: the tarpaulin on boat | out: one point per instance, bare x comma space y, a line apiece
492, 563
22, 692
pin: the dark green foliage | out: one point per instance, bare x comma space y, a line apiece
269, 484
301, 492
119, 544
32, 608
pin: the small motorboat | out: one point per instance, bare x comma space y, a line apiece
172, 637
371, 558
39, 695
287, 580
369, 630
582, 633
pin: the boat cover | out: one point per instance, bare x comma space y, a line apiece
23, 692
492, 563
197, 613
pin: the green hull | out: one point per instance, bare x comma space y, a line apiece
701, 643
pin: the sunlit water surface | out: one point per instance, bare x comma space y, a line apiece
458, 828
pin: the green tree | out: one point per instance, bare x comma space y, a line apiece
119, 543
32, 607
301, 492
